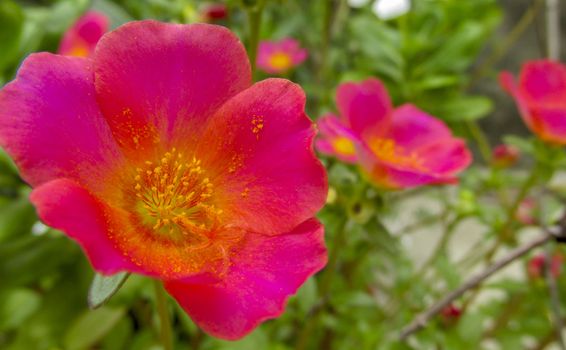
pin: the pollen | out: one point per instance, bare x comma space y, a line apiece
257, 124
173, 198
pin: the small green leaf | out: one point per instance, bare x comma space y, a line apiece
104, 287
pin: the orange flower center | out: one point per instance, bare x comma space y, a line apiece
173, 198
389, 151
280, 61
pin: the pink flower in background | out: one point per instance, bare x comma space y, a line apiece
277, 57
540, 95
336, 139
527, 212
397, 148
505, 156
80, 40
450, 315
159, 156
535, 266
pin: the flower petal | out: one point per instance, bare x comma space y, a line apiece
366, 106
544, 82
508, 83
80, 40
65, 205
51, 125
412, 128
446, 157
335, 139
262, 276
157, 81
258, 150
550, 123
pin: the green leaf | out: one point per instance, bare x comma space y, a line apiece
465, 108
90, 327
11, 26
16, 306
104, 287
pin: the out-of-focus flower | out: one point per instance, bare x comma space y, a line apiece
540, 96
527, 211
277, 57
214, 12
450, 314
336, 139
535, 266
389, 9
397, 147
505, 156
172, 164
80, 40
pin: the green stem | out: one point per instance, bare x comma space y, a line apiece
481, 140
254, 19
324, 288
165, 333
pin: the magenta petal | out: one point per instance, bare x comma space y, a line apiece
50, 122
65, 205
259, 147
412, 128
157, 81
551, 123
445, 157
263, 274
336, 139
509, 84
544, 82
365, 105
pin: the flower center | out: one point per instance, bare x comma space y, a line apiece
343, 145
173, 198
389, 151
280, 61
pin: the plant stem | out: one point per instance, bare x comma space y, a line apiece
254, 19
165, 333
481, 140
324, 287
422, 319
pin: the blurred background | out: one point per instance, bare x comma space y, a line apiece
395, 259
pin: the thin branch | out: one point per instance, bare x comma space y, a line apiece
421, 320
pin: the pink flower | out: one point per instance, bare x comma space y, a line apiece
540, 96
277, 57
159, 156
526, 212
505, 156
80, 40
536, 264
396, 147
